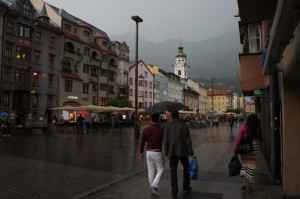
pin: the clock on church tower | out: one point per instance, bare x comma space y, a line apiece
180, 66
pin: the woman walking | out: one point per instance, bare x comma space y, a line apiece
54, 124
248, 160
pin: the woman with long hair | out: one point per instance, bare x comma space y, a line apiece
250, 128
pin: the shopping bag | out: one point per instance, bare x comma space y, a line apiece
234, 166
193, 169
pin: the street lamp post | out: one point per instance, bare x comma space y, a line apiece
212, 94
137, 20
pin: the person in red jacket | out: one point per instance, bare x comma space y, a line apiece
152, 137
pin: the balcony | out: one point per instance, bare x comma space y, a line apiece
8, 61
69, 53
256, 10
251, 76
16, 86
94, 61
51, 90
7, 86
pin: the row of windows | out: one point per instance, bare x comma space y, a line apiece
141, 94
90, 70
35, 100
22, 76
221, 98
143, 104
144, 83
23, 53
26, 32
87, 34
219, 103
86, 87
86, 51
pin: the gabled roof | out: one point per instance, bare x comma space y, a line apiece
67, 16
43, 14
141, 61
124, 44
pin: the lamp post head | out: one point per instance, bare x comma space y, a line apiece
137, 19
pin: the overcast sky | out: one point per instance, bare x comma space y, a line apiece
189, 20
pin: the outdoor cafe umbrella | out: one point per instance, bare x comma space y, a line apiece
165, 106
111, 109
97, 108
89, 107
67, 107
126, 109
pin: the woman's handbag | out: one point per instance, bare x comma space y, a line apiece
234, 166
245, 146
193, 169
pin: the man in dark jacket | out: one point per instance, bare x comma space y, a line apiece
178, 147
153, 136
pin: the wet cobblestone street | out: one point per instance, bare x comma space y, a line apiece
104, 164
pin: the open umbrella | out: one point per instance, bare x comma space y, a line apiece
165, 106
83, 112
187, 112
3, 113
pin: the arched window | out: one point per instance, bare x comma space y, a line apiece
69, 47
67, 65
93, 71
94, 55
112, 62
179, 72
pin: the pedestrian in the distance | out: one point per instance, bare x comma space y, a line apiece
152, 137
178, 147
54, 123
6, 127
80, 121
248, 160
231, 122
121, 122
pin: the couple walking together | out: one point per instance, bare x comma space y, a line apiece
176, 138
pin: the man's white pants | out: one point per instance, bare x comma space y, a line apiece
155, 163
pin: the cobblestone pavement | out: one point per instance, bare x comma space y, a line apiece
104, 164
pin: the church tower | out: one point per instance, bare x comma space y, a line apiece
181, 66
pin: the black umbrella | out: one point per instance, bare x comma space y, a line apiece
165, 106
3, 113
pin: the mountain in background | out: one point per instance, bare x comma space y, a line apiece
215, 57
